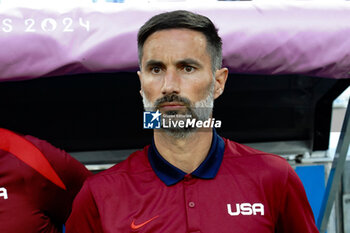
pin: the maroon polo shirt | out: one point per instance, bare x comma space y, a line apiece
38, 183
236, 189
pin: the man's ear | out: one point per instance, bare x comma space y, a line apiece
220, 81
140, 78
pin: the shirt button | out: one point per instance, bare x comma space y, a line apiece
191, 204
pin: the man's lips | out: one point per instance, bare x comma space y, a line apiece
171, 106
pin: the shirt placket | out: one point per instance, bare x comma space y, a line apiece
191, 204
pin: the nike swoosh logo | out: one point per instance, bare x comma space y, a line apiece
138, 226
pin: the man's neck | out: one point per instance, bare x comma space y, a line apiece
185, 153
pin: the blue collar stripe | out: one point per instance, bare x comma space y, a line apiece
208, 169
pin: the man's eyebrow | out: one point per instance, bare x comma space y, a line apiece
151, 63
189, 61
184, 62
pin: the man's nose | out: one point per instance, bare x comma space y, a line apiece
171, 83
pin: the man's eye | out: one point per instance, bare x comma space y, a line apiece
156, 70
189, 69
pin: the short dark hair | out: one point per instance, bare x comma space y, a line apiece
187, 20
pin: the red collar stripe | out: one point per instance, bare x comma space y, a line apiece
29, 154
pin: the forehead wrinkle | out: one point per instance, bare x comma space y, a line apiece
172, 52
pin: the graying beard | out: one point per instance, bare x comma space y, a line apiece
202, 111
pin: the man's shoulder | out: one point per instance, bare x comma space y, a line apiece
251, 164
243, 154
136, 164
40, 151
59, 159
235, 149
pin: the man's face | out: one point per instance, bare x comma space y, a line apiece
176, 75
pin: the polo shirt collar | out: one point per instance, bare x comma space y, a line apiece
208, 169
